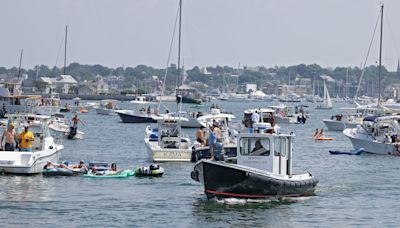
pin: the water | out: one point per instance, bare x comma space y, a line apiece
353, 190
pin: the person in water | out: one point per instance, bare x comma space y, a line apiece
81, 166
10, 136
25, 140
320, 134
200, 136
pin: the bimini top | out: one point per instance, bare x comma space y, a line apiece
370, 118
169, 118
264, 110
386, 118
216, 116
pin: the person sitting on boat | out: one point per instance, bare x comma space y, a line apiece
217, 132
259, 149
25, 139
10, 136
200, 136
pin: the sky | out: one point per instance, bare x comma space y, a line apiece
214, 32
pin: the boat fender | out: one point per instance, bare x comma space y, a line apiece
194, 157
195, 175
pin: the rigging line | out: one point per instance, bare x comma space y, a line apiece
393, 37
366, 58
59, 51
169, 57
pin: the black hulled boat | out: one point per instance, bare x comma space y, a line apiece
263, 170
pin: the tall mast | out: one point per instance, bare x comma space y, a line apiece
20, 62
65, 48
179, 42
380, 59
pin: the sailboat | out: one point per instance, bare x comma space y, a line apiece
166, 143
377, 135
327, 103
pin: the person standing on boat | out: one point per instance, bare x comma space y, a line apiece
212, 139
25, 140
10, 135
255, 118
75, 121
200, 136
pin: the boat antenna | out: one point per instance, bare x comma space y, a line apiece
65, 48
20, 62
380, 59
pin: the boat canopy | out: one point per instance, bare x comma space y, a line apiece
169, 118
370, 118
248, 111
386, 118
216, 116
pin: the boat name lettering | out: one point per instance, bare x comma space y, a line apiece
172, 154
6, 162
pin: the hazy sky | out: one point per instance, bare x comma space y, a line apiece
215, 32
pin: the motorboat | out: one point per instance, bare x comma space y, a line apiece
140, 100
266, 120
168, 143
60, 126
45, 148
107, 107
285, 115
263, 170
141, 116
377, 135
227, 139
340, 122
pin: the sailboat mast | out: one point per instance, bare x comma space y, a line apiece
380, 59
65, 48
179, 42
20, 62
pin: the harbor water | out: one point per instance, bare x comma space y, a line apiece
353, 190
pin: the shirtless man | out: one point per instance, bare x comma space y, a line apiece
10, 135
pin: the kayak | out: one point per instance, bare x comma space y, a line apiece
152, 170
52, 172
109, 174
353, 152
324, 138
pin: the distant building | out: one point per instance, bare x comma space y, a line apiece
61, 84
252, 87
99, 86
285, 90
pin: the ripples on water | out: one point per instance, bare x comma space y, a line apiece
353, 190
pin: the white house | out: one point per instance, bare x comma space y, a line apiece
61, 84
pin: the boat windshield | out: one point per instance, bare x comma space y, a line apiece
254, 146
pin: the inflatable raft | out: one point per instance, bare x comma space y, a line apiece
152, 170
109, 174
52, 172
353, 152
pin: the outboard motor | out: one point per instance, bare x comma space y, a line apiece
218, 147
72, 132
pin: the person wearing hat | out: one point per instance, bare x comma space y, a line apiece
25, 139
9, 134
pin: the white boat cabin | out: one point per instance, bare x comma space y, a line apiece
169, 133
268, 152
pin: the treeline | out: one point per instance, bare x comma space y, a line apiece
216, 77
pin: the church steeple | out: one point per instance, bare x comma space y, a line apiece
398, 66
